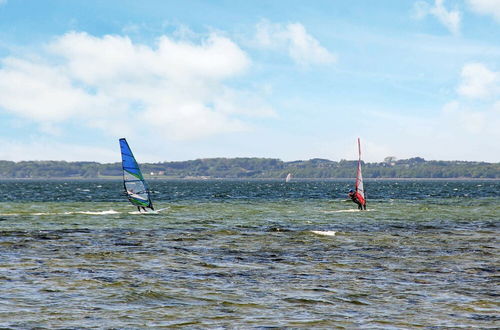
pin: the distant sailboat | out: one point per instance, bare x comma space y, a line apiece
358, 195
288, 177
135, 187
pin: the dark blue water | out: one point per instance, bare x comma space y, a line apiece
105, 191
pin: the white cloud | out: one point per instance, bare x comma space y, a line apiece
479, 82
465, 119
477, 114
51, 150
496, 108
449, 18
177, 89
463, 129
471, 123
487, 7
39, 91
456, 132
303, 48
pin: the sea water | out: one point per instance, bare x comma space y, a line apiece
249, 254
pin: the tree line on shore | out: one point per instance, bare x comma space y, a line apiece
256, 168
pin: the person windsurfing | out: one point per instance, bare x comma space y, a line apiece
131, 192
358, 199
358, 195
135, 186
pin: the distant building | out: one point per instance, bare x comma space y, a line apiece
390, 160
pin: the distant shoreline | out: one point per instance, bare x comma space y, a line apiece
257, 169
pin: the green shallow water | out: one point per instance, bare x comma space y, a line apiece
241, 262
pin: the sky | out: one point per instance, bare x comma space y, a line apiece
283, 79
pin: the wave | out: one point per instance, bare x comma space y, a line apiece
64, 213
342, 211
149, 212
94, 212
347, 211
107, 212
324, 232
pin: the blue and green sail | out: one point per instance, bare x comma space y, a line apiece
135, 186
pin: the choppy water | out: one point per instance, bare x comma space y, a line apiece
250, 254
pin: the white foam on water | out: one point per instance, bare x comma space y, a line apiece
342, 211
324, 232
348, 211
93, 212
149, 211
143, 213
136, 212
64, 213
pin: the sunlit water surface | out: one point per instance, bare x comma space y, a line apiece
250, 254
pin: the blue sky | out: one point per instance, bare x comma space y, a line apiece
283, 79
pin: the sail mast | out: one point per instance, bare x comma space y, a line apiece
359, 178
359, 149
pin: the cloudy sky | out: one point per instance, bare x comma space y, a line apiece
284, 79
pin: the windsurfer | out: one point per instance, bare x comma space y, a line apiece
353, 195
134, 184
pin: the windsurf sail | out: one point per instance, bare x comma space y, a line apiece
288, 177
360, 189
135, 186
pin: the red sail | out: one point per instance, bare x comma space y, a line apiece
360, 190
